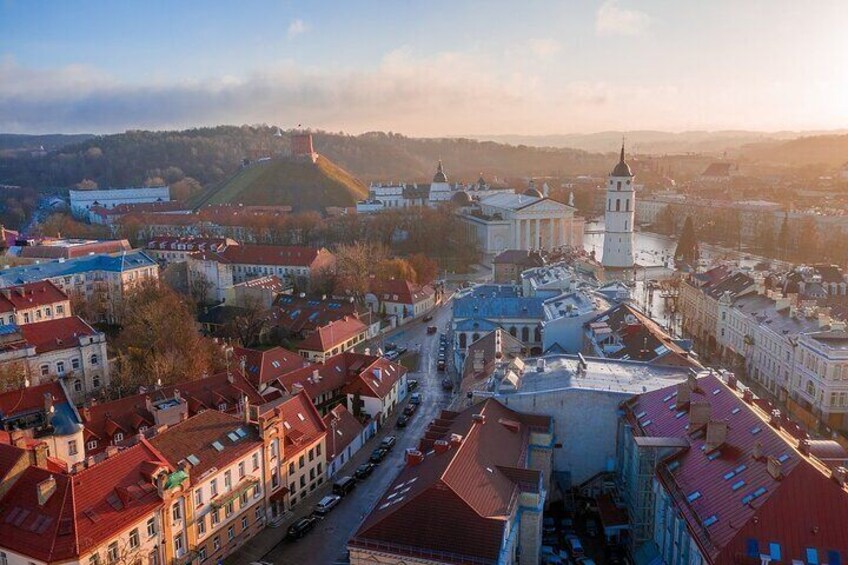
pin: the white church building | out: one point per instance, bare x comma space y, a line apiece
618, 217
528, 221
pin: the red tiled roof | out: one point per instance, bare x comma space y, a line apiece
398, 290
343, 428
10, 456
87, 507
196, 435
332, 373
469, 488
300, 315
30, 398
296, 256
262, 367
302, 425
189, 244
367, 383
53, 335
130, 413
797, 510
333, 334
30, 295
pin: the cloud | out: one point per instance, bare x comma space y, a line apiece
296, 27
612, 19
544, 47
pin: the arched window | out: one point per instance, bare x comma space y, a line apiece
619, 185
94, 359
525, 334
462, 341
475, 337
627, 205
537, 334
513, 332
618, 204
77, 385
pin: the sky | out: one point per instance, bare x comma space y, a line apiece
434, 68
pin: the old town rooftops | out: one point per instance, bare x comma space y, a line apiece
747, 484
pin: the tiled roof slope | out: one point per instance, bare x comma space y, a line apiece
264, 366
303, 314
196, 436
458, 500
740, 508
302, 424
114, 263
367, 382
297, 256
86, 509
53, 335
398, 290
333, 334
343, 428
30, 295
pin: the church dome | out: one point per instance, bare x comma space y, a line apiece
462, 198
622, 169
533, 192
440, 175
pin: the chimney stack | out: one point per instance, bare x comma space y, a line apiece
716, 434
441, 446
748, 396
684, 394
413, 457
774, 419
840, 475
773, 466
39, 455
699, 414
732, 380
18, 439
456, 440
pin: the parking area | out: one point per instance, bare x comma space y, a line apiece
574, 534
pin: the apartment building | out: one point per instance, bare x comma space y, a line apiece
220, 458
33, 302
168, 250
336, 337
402, 299
376, 391
103, 280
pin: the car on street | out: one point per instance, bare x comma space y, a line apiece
402, 421
392, 355
378, 455
390, 346
364, 471
326, 504
447, 384
441, 365
344, 485
413, 384
575, 547
409, 410
427, 318
301, 527
431, 330
388, 442
415, 398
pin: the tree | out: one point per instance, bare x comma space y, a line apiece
425, 268
765, 235
687, 245
159, 341
665, 221
354, 263
185, 188
808, 237
783, 237
13, 376
395, 268
248, 325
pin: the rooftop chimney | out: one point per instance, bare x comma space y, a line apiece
18, 439
692, 381
773, 466
39, 455
840, 475
699, 414
413, 457
684, 393
46, 488
774, 419
732, 380
748, 396
456, 440
716, 434
479, 418
441, 446
804, 446
758, 451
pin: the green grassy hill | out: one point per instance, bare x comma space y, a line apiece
281, 182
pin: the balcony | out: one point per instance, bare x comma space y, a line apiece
244, 485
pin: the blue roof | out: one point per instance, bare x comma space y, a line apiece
495, 302
116, 262
475, 324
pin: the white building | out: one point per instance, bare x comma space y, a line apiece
83, 200
618, 218
440, 190
565, 315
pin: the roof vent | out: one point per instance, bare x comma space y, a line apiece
840, 475
774, 419
774, 468
804, 446
479, 418
413, 457
758, 451
441, 446
748, 396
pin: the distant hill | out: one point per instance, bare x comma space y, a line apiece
50, 142
825, 151
303, 185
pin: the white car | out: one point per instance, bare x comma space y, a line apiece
326, 504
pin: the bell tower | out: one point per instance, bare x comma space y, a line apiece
618, 217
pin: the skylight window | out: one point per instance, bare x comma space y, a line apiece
641, 414
738, 484
694, 496
783, 458
716, 391
217, 445
300, 416
679, 415
287, 425
233, 437
714, 455
755, 430
711, 520
193, 459
673, 465
275, 364
240, 432
735, 410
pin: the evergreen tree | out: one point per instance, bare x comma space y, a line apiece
783, 237
687, 245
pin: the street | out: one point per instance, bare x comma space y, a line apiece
326, 543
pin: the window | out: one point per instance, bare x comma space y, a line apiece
257, 513
176, 512
229, 509
94, 559
45, 370
312, 474
72, 447
112, 552
216, 543
151, 527
118, 437
94, 359
77, 385
134, 539
214, 487
244, 499
255, 461
319, 468
198, 497
60, 367
95, 382
231, 533
178, 545
303, 480
90, 445
292, 487
60, 309
201, 526
201, 553
241, 470
291, 468
301, 462
244, 522
75, 364
311, 454
275, 480
216, 517
228, 480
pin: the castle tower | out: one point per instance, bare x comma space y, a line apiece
440, 189
619, 215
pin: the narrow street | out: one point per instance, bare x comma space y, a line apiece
326, 543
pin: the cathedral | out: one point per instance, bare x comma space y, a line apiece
618, 217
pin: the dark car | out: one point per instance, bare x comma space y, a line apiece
441, 365
447, 384
301, 527
415, 398
388, 442
402, 421
409, 409
413, 384
390, 346
364, 470
344, 485
427, 318
431, 330
378, 455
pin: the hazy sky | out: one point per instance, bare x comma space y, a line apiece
425, 68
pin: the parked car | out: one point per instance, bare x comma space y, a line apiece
431, 330
447, 384
401, 350
441, 365
390, 346
378, 455
344, 485
415, 398
392, 355
301, 527
575, 547
427, 318
326, 504
388, 442
412, 384
364, 471
409, 409
548, 526
402, 421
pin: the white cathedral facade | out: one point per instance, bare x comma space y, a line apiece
618, 217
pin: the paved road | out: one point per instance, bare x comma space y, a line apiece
327, 542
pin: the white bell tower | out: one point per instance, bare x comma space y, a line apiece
618, 218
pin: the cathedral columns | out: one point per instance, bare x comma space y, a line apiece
517, 236
551, 223
537, 241
528, 237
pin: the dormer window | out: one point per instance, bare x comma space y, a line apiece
118, 437
222, 406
